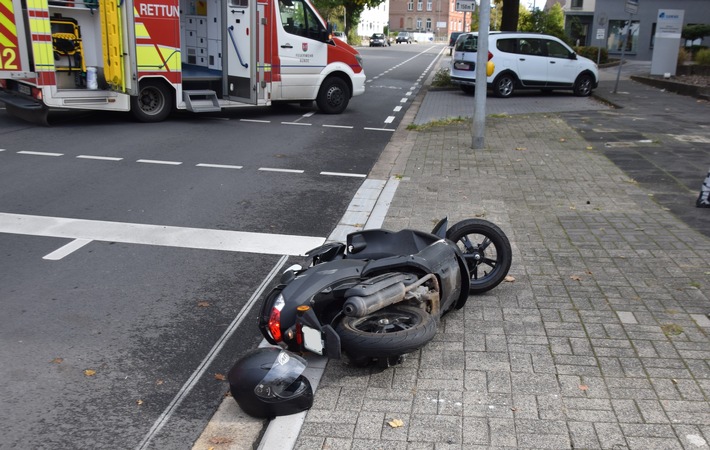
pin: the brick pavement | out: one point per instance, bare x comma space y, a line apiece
602, 340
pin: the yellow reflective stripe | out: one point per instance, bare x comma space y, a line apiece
141, 31
37, 4
40, 25
44, 55
148, 58
171, 56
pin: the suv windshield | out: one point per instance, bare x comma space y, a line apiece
467, 43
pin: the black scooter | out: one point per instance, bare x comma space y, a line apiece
379, 296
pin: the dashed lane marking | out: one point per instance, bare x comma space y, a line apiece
100, 158
157, 161
25, 152
341, 174
219, 166
273, 169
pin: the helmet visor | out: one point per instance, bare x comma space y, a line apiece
283, 373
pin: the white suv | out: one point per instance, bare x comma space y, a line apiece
523, 61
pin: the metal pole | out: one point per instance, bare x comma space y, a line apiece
623, 51
478, 128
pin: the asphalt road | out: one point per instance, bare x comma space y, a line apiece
130, 254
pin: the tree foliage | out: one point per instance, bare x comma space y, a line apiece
496, 15
551, 21
353, 10
693, 32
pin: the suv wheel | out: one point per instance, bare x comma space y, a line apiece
504, 85
583, 85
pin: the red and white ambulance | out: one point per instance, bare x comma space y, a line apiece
151, 56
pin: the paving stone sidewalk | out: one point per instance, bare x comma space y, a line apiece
601, 341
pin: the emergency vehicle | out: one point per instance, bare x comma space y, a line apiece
151, 56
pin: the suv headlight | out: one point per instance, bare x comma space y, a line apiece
359, 60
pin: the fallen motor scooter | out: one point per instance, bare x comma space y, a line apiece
380, 295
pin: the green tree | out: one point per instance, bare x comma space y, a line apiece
550, 22
693, 32
352, 10
496, 16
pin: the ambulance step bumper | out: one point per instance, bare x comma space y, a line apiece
201, 101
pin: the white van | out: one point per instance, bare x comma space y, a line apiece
524, 61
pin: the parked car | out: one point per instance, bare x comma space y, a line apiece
378, 40
524, 61
340, 35
452, 40
404, 36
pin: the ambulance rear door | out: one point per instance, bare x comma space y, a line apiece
14, 56
244, 39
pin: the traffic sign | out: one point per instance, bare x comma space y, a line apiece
465, 5
632, 6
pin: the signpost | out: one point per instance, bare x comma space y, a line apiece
465, 5
632, 7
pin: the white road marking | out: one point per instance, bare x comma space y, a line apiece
270, 169
24, 152
349, 127
309, 114
100, 158
342, 174
68, 249
219, 166
254, 120
207, 361
379, 129
157, 161
397, 108
296, 123
404, 100
167, 236
389, 119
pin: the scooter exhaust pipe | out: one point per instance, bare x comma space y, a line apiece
359, 306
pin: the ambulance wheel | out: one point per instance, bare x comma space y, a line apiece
153, 102
333, 96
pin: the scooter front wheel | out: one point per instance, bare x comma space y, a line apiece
487, 252
392, 331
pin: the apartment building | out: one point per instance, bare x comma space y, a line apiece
428, 16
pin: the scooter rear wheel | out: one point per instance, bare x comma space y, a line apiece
392, 331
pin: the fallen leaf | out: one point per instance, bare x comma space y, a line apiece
563, 140
220, 440
590, 148
203, 304
219, 376
57, 360
158, 382
576, 278
396, 423
520, 149
509, 279
89, 372
583, 387
139, 402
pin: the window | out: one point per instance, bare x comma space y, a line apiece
239, 3
620, 30
428, 5
506, 45
419, 24
556, 50
428, 24
410, 5
297, 18
419, 5
577, 4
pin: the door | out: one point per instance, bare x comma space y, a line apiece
303, 50
532, 62
14, 60
561, 70
243, 38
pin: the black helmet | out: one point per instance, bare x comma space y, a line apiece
268, 382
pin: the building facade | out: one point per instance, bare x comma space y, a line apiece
606, 23
374, 20
428, 16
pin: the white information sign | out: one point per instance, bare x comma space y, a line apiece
465, 5
632, 6
601, 34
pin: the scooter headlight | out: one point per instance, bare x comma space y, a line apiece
274, 324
